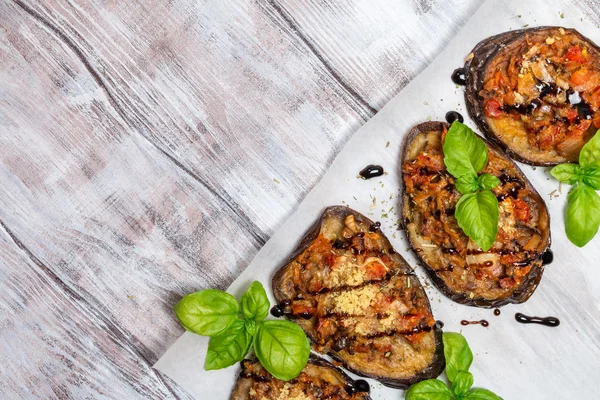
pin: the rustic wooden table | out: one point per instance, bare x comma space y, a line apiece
149, 150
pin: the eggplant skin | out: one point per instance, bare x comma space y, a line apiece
475, 68
426, 345
319, 377
532, 279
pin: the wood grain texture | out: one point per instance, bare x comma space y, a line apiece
149, 149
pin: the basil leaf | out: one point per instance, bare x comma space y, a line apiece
250, 326
431, 389
228, 348
582, 215
567, 173
462, 383
590, 152
464, 152
481, 394
466, 184
457, 353
477, 215
487, 181
208, 312
591, 177
254, 303
282, 348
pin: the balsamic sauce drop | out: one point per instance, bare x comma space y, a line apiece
359, 385
497, 312
483, 323
547, 321
459, 77
277, 311
584, 110
548, 257
375, 227
439, 324
371, 171
452, 116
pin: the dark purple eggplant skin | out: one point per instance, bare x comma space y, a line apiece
438, 364
532, 281
474, 70
243, 384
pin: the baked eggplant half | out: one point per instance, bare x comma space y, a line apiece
359, 301
318, 380
511, 269
535, 92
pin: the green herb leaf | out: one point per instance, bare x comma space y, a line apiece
591, 177
481, 394
228, 348
582, 215
462, 383
466, 184
457, 353
208, 312
250, 326
282, 348
464, 152
477, 215
566, 173
431, 389
254, 303
590, 153
487, 181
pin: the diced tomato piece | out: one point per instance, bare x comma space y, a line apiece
521, 210
329, 259
493, 108
317, 285
303, 310
375, 270
574, 54
572, 115
580, 76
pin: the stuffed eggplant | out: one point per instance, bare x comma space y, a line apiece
318, 380
360, 302
511, 269
535, 92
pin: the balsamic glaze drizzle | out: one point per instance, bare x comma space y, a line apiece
359, 385
459, 77
547, 321
497, 312
371, 171
452, 116
482, 322
548, 257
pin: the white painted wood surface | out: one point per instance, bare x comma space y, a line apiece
149, 149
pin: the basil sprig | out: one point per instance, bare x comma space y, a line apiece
582, 217
465, 155
281, 346
458, 360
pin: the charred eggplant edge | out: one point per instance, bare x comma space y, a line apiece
534, 277
474, 69
438, 364
242, 385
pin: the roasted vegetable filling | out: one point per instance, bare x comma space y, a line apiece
314, 382
358, 299
436, 236
547, 85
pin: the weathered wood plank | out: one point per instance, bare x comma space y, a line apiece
376, 46
55, 346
